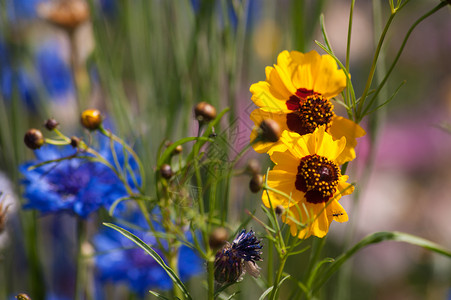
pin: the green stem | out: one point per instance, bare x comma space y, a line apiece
81, 269
398, 55
211, 279
173, 264
348, 50
274, 292
373, 67
225, 208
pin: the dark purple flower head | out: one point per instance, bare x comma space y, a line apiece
233, 259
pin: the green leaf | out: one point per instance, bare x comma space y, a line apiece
159, 296
154, 255
169, 150
374, 239
266, 293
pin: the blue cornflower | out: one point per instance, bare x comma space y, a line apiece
73, 185
233, 259
120, 260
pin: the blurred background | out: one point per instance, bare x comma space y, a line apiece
146, 63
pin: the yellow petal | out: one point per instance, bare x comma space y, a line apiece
285, 161
305, 69
265, 98
295, 143
343, 187
277, 87
330, 81
337, 212
344, 127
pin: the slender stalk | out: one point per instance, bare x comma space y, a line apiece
211, 279
274, 292
398, 55
348, 51
373, 67
81, 268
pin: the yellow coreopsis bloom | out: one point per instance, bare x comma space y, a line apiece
309, 181
297, 94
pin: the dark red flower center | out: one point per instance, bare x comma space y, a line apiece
318, 178
310, 110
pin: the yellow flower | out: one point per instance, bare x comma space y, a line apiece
297, 94
309, 180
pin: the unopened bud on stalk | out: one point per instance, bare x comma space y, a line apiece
67, 14
23, 296
270, 130
279, 210
256, 183
166, 171
75, 141
218, 238
91, 119
51, 124
253, 166
177, 150
204, 112
34, 139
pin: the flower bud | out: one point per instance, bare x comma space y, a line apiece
270, 130
218, 238
177, 150
34, 139
256, 183
91, 119
166, 171
253, 166
23, 296
51, 124
75, 141
64, 13
204, 112
279, 210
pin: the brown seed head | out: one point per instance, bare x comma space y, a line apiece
256, 183
270, 130
91, 119
218, 238
204, 112
51, 124
23, 296
34, 139
279, 209
64, 13
166, 171
75, 141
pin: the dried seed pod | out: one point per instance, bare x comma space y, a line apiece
166, 171
204, 112
270, 130
218, 238
51, 124
34, 139
67, 14
256, 183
